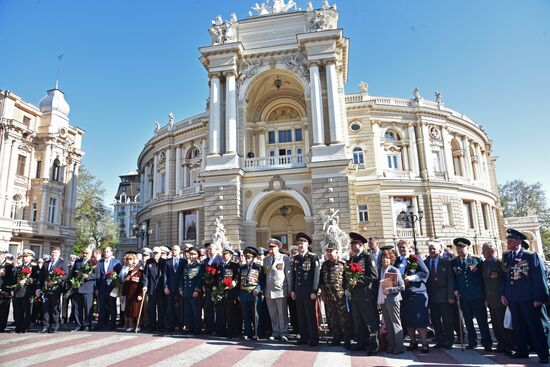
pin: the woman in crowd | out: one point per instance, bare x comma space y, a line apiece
415, 297
132, 291
389, 297
122, 276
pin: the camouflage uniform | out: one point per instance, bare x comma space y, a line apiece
332, 283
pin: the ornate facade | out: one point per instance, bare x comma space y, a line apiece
39, 160
281, 145
125, 208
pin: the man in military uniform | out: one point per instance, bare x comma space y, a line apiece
332, 284
7, 280
190, 289
52, 290
364, 295
26, 277
469, 290
524, 293
304, 288
226, 308
213, 260
249, 287
493, 278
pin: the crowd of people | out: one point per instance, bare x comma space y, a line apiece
373, 298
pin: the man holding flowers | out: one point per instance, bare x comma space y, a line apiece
82, 280
51, 284
26, 276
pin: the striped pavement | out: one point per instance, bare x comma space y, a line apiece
127, 349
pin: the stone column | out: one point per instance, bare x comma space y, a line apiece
214, 121
261, 143
305, 136
180, 228
479, 164
230, 114
185, 175
413, 152
336, 135
178, 170
467, 158
448, 151
4, 172
427, 151
155, 180
167, 171
379, 155
316, 106
11, 168
203, 154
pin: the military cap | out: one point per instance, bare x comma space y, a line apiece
262, 251
512, 233
193, 249
251, 250
157, 249
331, 246
272, 242
303, 236
187, 246
228, 250
206, 244
146, 251
461, 242
386, 247
525, 244
131, 253
4, 251
46, 257
357, 238
9, 257
237, 252
164, 249
28, 252
73, 257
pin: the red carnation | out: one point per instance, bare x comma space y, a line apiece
228, 281
26, 271
59, 271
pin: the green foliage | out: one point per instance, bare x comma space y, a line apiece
545, 236
94, 223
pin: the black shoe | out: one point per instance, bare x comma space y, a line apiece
488, 348
314, 344
44, 330
543, 360
76, 329
517, 355
438, 346
412, 346
301, 342
425, 349
334, 343
471, 346
372, 352
357, 347
347, 345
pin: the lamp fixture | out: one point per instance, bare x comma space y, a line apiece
284, 210
278, 83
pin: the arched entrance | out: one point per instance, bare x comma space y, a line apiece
278, 215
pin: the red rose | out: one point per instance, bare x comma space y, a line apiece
59, 271
212, 270
109, 274
228, 281
26, 271
93, 261
413, 257
358, 268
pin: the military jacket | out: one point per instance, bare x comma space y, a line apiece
229, 269
522, 281
469, 277
28, 290
305, 275
249, 280
492, 279
332, 279
366, 288
191, 278
7, 276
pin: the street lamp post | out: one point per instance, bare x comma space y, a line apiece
413, 218
142, 232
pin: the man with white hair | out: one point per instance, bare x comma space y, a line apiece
440, 286
154, 281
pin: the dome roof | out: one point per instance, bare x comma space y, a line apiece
54, 101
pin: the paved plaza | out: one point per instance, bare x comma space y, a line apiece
130, 349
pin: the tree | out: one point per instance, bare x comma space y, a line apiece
94, 223
519, 199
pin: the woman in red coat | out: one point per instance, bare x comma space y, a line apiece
132, 290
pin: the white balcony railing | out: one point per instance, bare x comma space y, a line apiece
265, 163
404, 232
388, 173
22, 226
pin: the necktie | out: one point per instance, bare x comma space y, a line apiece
176, 263
432, 269
51, 265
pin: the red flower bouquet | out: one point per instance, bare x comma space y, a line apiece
23, 278
219, 290
81, 276
353, 271
412, 262
209, 275
54, 280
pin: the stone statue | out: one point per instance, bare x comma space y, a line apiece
326, 5
157, 126
438, 98
218, 20
218, 238
333, 233
416, 94
233, 18
261, 9
363, 87
171, 118
319, 21
309, 6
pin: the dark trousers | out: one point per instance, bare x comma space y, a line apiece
191, 314
442, 322
83, 309
306, 312
264, 320
293, 314
174, 310
226, 317
247, 308
209, 313
51, 309
107, 309
22, 314
156, 309
504, 336
366, 323
476, 308
526, 320
4, 312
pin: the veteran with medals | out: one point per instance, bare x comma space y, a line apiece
226, 307
190, 289
524, 293
249, 286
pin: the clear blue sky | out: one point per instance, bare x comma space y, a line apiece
128, 63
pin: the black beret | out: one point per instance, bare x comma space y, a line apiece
461, 242
251, 250
512, 233
302, 235
356, 237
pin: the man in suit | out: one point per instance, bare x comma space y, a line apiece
174, 300
226, 309
401, 259
364, 296
26, 277
524, 293
469, 290
52, 289
213, 260
84, 294
154, 281
65, 300
440, 286
278, 276
374, 250
304, 289
493, 278
7, 280
104, 287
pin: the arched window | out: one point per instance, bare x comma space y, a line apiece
56, 169
391, 135
458, 155
358, 157
17, 207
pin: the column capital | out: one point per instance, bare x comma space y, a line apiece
214, 74
227, 73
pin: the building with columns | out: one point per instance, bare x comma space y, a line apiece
125, 208
281, 145
39, 159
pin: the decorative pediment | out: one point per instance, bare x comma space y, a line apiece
276, 184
